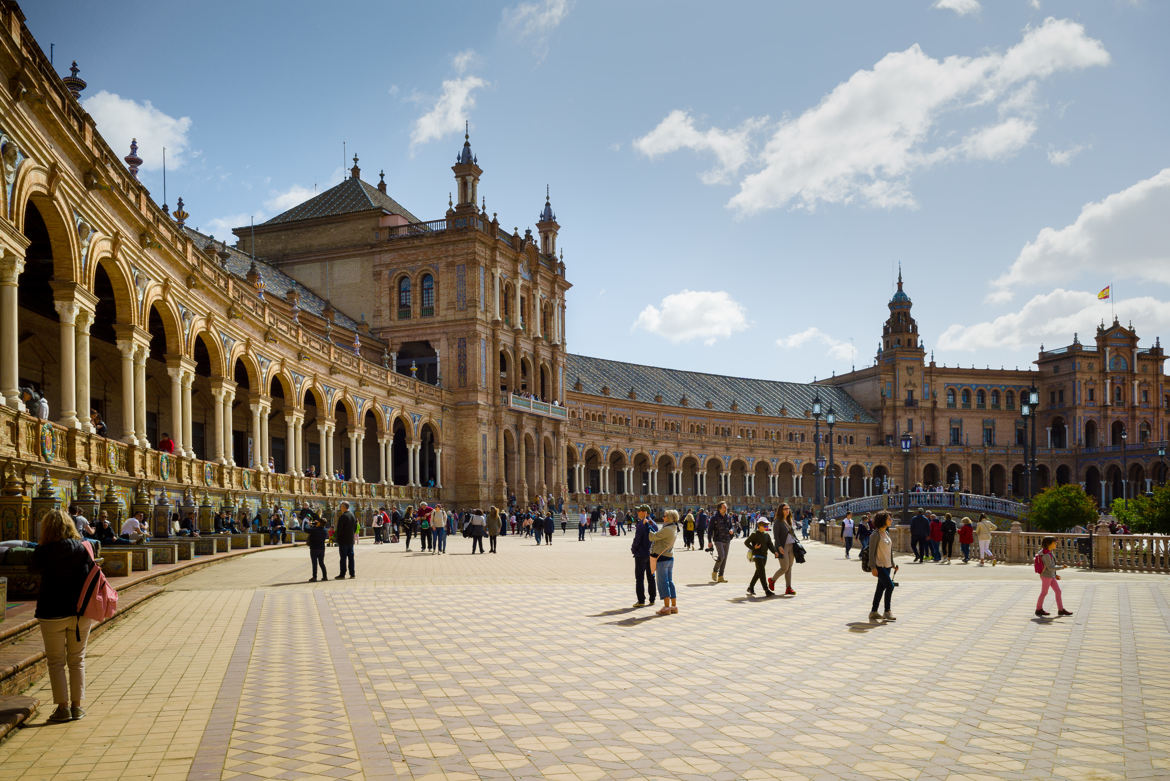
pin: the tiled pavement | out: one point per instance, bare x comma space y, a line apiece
531, 664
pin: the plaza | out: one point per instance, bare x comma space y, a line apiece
532, 664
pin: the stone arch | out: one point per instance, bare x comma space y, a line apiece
856, 486
976, 481
762, 472
401, 433
1116, 430
1063, 474
930, 475
251, 368
738, 479
525, 376
549, 459
1059, 433
997, 480
713, 469
593, 463
785, 479
430, 439
125, 298
617, 474
169, 319
881, 479
215, 357
506, 367
544, 383
32, 188
1091, 434
285, 383
690, 476
641, 463
954, 473
529, 466
665, 474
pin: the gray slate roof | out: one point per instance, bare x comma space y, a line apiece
277, 284
351, 196
699, 388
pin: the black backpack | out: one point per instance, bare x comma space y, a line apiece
864, 557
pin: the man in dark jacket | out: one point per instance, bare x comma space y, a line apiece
317, 537
640, 547
344, 533
919, 535
701, 525
720, 529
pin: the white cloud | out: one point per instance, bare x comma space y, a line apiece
121, 119
677, 131
961, 7
284, 201
1053, 317
1126, 235
870, 133
689, 315
450, 110
221, 227
535, 21
1064, 156
835, 348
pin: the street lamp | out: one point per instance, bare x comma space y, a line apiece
1026, 412
831, 418
816, 413
1162, 462
1124, 469
1034, 475
907, 443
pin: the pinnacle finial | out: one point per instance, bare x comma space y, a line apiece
466, 131
133, 161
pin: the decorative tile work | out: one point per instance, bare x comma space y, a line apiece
461, 287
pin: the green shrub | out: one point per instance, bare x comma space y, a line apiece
1061, 507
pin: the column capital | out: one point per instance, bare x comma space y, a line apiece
11, 267
223, 385
180, 363
66, 310
124, 332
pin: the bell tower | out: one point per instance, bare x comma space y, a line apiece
467, 173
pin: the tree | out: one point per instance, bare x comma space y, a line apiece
1062, 507
1145, 514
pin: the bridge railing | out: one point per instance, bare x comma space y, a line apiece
974, 503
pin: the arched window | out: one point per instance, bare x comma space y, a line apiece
1118, 395
995, 399
950, 397
1010, 400
966, 398
428, 296
980, 399
404, 298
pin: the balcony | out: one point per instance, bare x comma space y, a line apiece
525, 404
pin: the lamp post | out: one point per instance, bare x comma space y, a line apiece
1124, 469
907, 443
1162, 462
820, 462
1033, 475
1026, 412
830, 419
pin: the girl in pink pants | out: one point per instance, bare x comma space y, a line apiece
1046, 567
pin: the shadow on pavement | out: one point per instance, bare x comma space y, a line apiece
864, 626
634, 621
615, 612
700, 585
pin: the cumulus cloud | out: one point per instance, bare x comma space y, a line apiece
961, 7
1126, 235
690, 315
455, 102
221, 227
1053, 317
283, 201
1064, 156
835, 348
535, 21
870, 133
277, 202
121, 119
731, 147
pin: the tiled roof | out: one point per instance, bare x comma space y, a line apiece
351, 196
277, 284
699, 388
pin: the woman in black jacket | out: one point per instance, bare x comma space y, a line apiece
317, 536
64, 562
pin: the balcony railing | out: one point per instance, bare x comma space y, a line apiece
548, 409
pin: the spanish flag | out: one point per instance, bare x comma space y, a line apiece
1104, 294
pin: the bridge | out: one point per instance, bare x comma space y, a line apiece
960, 503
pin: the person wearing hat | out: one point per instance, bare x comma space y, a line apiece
759, 543
662, 553
640, 548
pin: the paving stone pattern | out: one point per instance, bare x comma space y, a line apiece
531, 664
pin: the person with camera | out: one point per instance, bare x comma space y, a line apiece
881, 559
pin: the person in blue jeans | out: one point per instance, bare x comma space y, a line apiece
662, 552
439, 522
804, 525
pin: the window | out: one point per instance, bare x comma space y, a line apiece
966, 399
988, 434
428, 296
1052, 398
1118, 396
1092, 393
1145, 397
956, 435
404, 298
980, 399
995, 399
1019, 435
951, 397
1010, 400
1060, 397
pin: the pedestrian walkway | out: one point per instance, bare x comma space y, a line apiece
531, 664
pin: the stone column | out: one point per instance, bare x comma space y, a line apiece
176, 375
217, 395
516, 308
537, 302
496, 295
229, 397
438, 467
67, 312
81, 352
265, 444
11, 265
382, 445
258, 462
416, 451
127, 348
300, 451
797, 479
188, 437
290, 442
141, 353
359, 457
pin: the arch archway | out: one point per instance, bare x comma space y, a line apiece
690, 476
593, 464
427, 474
1114, 485
617, 473
665, 475
369, 447
400, 451
1019, 480
1059, 433
1115, 431
641, 485
1094, 486
954, 477
1137, 480
881, 476
762, 474
549, 477
808, 480
510, 466
1091, 433
856, 487
786, 480
977, 486
313, 430
930, 475
571, 477
714, 468
997, 480
1063, 474
737, 481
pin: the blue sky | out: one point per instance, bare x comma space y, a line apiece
736, 182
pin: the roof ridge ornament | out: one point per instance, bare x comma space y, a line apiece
133, 161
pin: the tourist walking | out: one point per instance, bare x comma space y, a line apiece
377, 522
881, 559
720, 529
1045, 565
936, 536
344, 534
701, 526
862, 531
64, 561
408, 525
426, 537
966, 539
760, 544
493, 527
640, 548
549, 528
919, 535
476, 526
662, 549
582, 523
317, 536
688, 526
439, 528
948, 537
847, 532
983, 531
785, 536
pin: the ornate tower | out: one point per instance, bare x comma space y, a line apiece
903, 382
548, 227
467, 173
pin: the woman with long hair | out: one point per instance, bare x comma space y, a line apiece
64, 562
493, 527
784, 532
